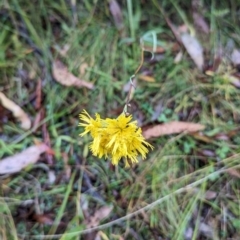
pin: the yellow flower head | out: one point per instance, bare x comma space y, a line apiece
115, 138
91, 125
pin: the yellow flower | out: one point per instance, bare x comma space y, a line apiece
115, 138
90, 124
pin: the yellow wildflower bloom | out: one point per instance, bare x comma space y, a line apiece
115, 138
91, 125
96, 129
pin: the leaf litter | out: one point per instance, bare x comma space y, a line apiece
64, 77
235, 57
17, 111
98, 216
19, 161
116, 13
194, 49
199, 21
172, 128
190, 42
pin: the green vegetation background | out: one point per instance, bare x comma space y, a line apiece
31, 37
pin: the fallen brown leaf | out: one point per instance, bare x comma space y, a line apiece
207, 195
210, 194
222, 136
16, 111
171, 128
37, 120
235, 57
46, 219
233, 172
208, 153
51, 177
64, 77
206, 230
67, 168
194, 49
116, 13
199, 20
202, 137
21, 160
178, 57
146, 78
38, 94
235, 81
99, 215
82, 68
